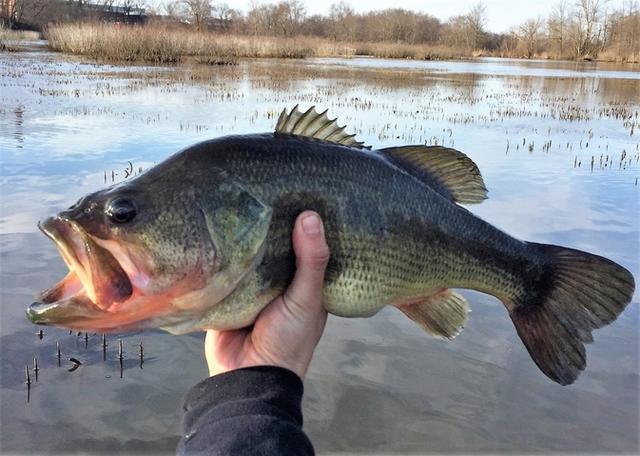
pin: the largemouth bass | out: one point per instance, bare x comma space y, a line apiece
203, 240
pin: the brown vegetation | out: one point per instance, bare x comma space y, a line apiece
18, 35
161, 44
158, 44
8, 37
574, 29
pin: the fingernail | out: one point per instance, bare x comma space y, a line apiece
311, 225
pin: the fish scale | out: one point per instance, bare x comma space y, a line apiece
364, 241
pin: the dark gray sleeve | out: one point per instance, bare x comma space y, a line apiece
255, 410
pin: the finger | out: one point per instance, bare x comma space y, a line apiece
312, 256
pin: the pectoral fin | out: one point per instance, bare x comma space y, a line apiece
443, 314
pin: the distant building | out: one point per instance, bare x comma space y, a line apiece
38, 14
116, 13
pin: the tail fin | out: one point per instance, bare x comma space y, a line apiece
577, 293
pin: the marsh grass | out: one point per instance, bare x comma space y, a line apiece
7, 36
387, 50
158, 44
18, 35
619, 53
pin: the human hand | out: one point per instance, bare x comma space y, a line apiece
287, 331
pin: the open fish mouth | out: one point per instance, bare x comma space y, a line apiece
95, 283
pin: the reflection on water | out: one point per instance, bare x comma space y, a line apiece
499, 67
557, 145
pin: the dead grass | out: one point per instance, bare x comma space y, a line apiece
158, 44
409, 51
9, 37
619, 54
18, 35
161, 45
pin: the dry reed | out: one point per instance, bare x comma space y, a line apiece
158, 44
18, 35
8, 38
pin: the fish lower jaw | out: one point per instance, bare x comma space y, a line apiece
64, 311
92, 267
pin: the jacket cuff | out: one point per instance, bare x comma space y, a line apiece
239, 391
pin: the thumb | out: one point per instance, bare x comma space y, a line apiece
312, 256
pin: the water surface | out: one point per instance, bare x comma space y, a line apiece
376, 385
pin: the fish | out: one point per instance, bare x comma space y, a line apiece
202, 240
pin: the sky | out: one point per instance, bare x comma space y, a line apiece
501, 14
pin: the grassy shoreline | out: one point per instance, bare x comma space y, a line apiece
157, 44
8, 38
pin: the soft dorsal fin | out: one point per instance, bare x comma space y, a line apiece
448, 171
316, 125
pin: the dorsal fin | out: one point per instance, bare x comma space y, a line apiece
316, 125
448, 171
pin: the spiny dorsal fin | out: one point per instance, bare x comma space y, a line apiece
316, 125
448, 171
443, 314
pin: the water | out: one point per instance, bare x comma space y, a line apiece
378, 384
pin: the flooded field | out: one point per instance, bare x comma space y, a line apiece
557, 143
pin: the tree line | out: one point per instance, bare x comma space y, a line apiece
577, 29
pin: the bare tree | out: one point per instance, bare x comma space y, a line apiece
292, 14
199, 11
222, 11
509, 43
623, 31
477, 21
529, 34
557, 25
224, 15
175, 9
342, 21
585, 28
8, 13
17, 11
467, 31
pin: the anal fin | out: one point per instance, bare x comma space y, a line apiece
443, 314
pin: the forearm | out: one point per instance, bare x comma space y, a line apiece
255, 410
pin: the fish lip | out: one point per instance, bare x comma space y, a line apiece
58, 230
82, 256
67, 313
35, 310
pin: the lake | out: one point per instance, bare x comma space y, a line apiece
558, 146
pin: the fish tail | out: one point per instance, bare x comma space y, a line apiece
575, 293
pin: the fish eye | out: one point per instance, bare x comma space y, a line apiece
121, 210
